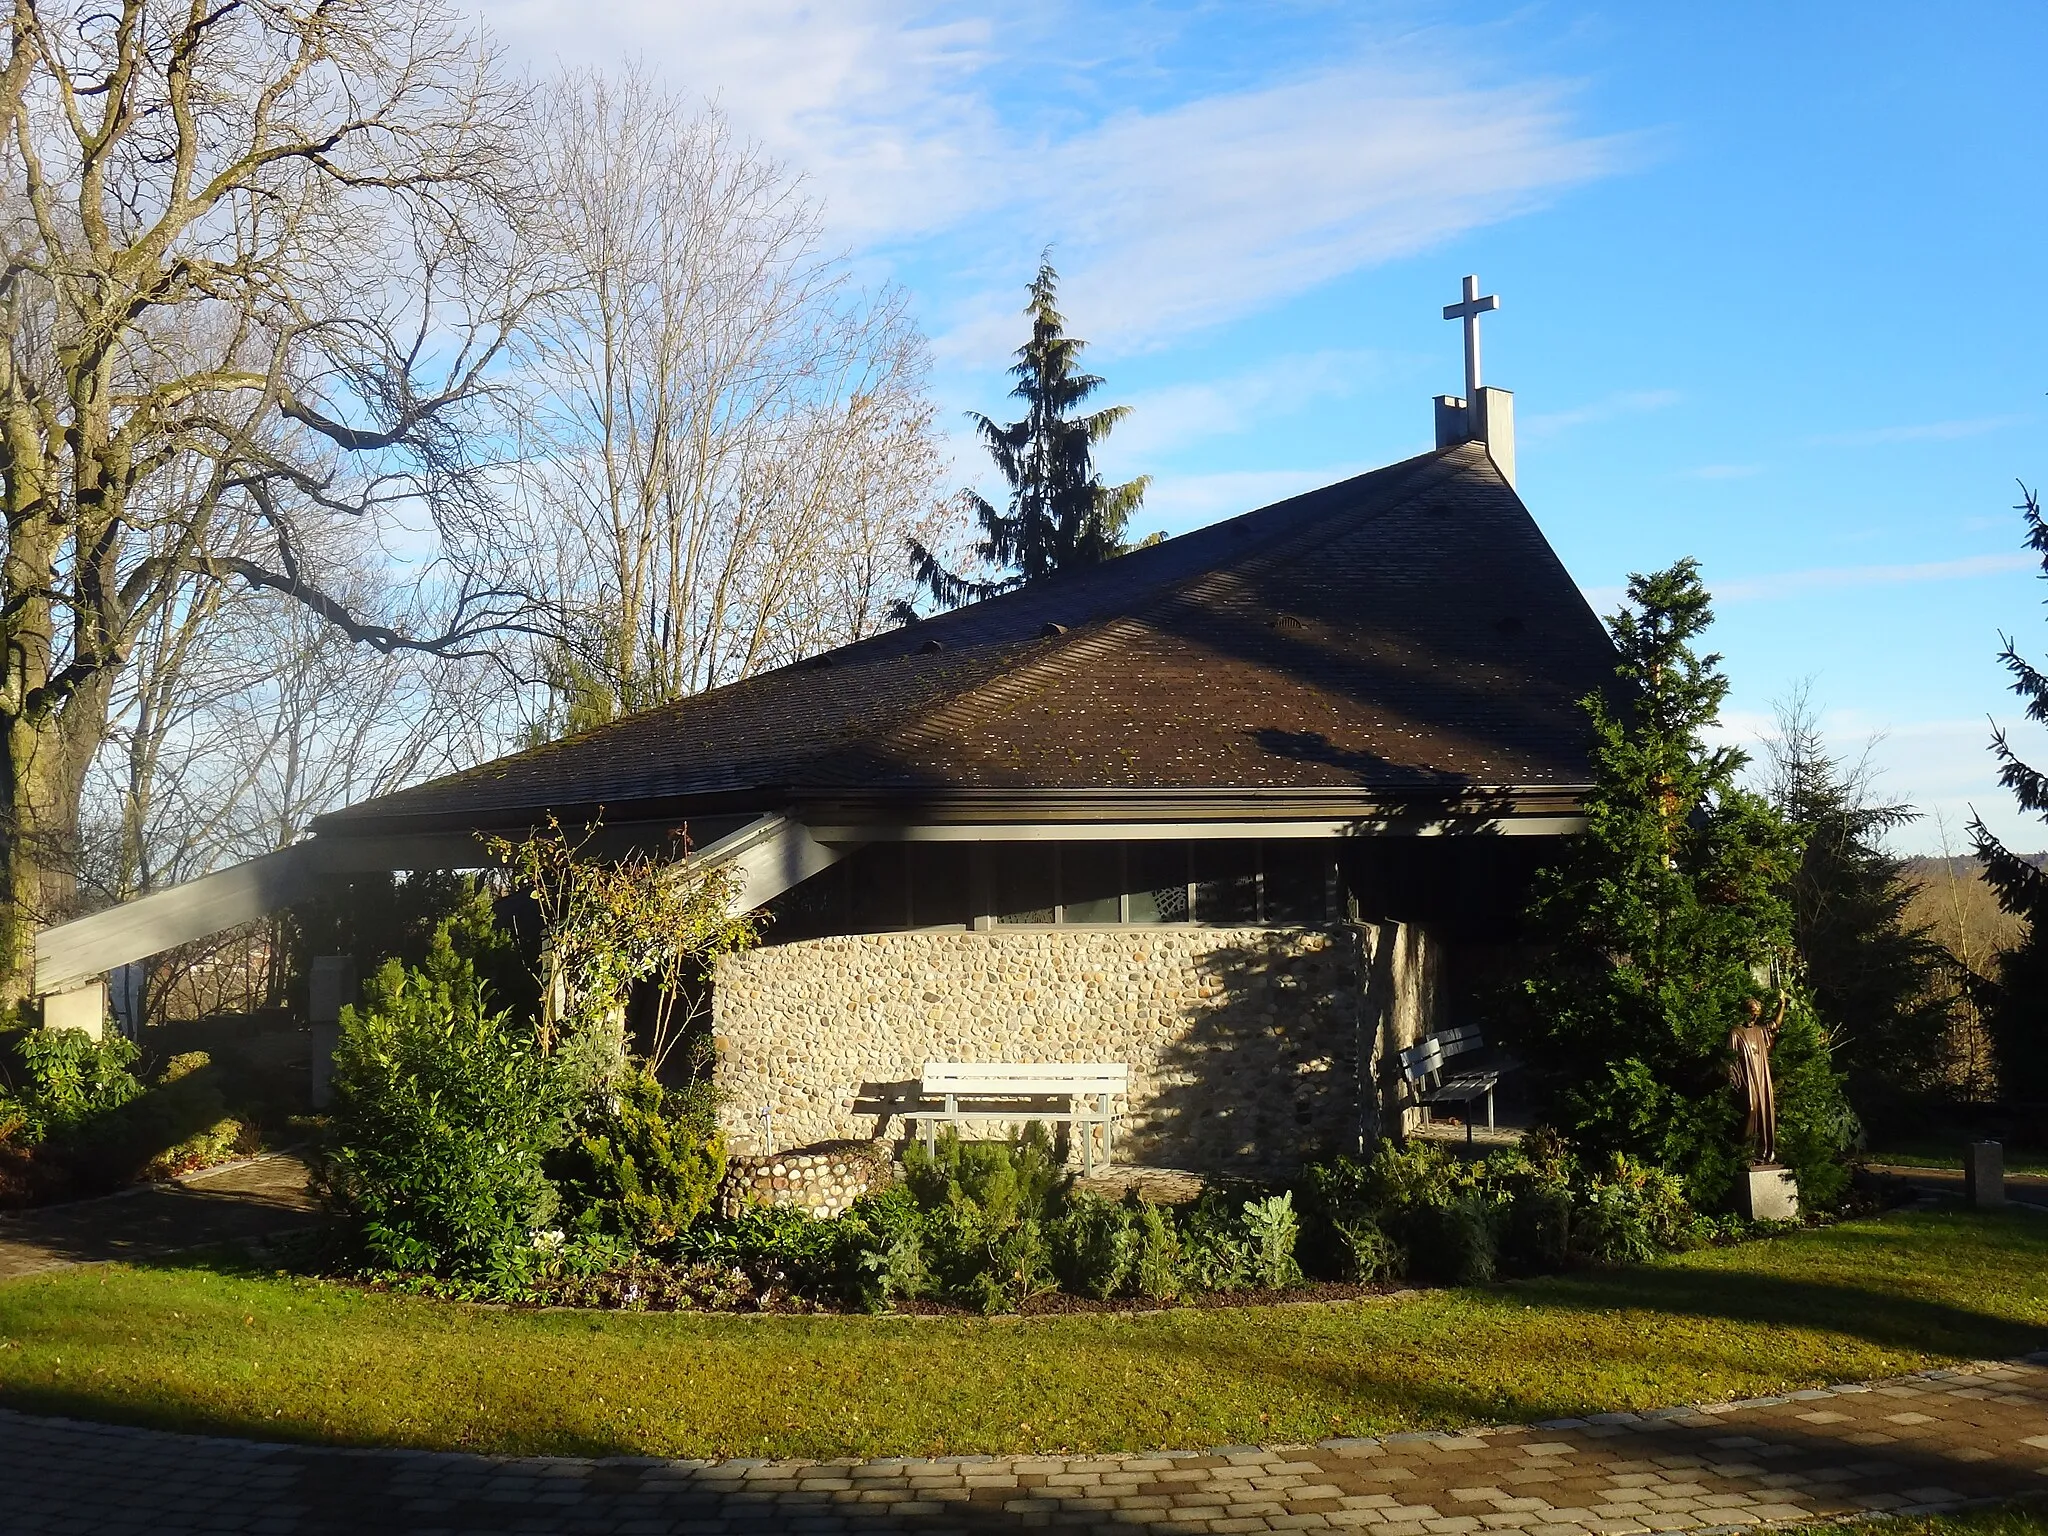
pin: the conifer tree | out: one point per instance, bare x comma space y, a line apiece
1659, 921
1878, 982
1060, 514
2018, 1015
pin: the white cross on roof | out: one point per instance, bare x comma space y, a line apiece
1469, 311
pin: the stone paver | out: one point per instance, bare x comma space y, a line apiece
1972, 1433
257, 1198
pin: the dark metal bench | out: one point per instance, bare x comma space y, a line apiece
1423, 1069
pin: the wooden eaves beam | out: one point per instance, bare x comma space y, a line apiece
772, 853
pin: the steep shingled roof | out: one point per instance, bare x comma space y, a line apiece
1406, 633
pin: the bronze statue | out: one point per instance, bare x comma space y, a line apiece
1751, 1075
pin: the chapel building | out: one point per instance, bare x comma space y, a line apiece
1247, 811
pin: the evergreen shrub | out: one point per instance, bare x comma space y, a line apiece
444, 1114
641, 1165
1157, 1270
1215, 1254
1422, 1210
1095, 1245
1669, 914
1630, 1213
1455, 1242
1367, 1254
1271, 1230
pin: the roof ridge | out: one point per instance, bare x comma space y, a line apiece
980, 701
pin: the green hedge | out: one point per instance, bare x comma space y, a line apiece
996, 1225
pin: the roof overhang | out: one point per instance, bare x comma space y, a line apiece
1082, 815
866, 815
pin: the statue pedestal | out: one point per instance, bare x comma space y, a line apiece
1768, 1194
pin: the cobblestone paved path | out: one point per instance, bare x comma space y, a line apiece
1912, 1444
258, 1198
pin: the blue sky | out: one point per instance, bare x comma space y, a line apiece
1768, 279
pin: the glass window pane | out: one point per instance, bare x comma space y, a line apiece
1092, 882
1159, 882
1024, 884
1226, 882
938, 884
1295, 882
879, 899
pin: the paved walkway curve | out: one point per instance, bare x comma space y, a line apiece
254, 1198
1916, 1443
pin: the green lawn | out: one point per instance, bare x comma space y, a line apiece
211, 1348
2007, 1520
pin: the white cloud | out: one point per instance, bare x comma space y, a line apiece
907, 117
1789, 583
1632, 402
877, 101
1170, 418
1952, 777
1942, 769
1923, 432
1210, 210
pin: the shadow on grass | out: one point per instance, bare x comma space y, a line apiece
1878, 1282
1868, 1283
1917, 1285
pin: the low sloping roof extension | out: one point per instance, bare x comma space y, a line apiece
1397, 640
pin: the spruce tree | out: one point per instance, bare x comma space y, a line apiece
1664, 918
2018, 1012
1879, 983
1060, 514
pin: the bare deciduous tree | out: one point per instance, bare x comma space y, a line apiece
730, 442
259, 273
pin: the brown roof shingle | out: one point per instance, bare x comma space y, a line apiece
1408, 632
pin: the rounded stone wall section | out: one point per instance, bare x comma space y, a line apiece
1246, 1047
822, 1180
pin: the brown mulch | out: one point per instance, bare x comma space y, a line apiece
1060, 1304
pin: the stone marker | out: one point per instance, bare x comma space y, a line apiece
1984, 1174
1769, 1194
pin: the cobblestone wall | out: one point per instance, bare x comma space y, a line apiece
1243, 1044
822, 1180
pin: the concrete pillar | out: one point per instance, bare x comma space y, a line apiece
1400, 982
1493, 423
1453, 421
333, 988
83, 1008
1984, 1174
126, 985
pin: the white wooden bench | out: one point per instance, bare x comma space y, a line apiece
1422, 1067
1071, 1093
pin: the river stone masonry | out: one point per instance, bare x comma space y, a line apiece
1243, 1043
821, 1181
